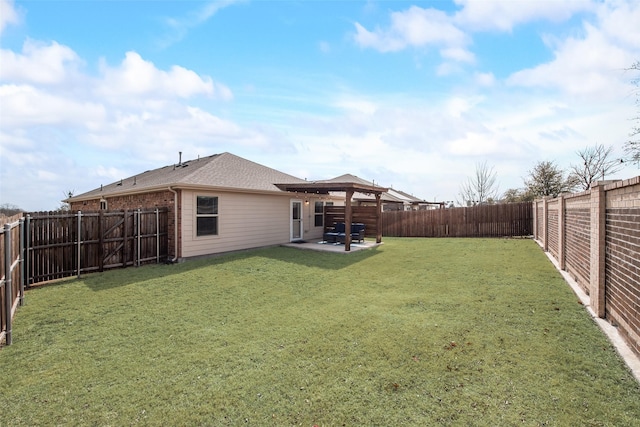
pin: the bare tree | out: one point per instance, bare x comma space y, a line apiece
596, 163
9, 209
547, 179
632, 147
481, 188
64, 206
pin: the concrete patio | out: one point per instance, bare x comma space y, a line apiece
320, 245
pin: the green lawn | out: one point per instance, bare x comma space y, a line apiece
414, 332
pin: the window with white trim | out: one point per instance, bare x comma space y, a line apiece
319, 213
206, 216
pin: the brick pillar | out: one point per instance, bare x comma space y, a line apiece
597, 257
561, 237
535, 220
545, 224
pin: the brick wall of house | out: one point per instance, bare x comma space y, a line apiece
604, 259
157, 199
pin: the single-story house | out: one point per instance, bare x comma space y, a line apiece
223, 203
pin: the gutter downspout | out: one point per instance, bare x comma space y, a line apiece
175, 222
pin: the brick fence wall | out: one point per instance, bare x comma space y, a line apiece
595, 237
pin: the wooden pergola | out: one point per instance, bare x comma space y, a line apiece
349, 188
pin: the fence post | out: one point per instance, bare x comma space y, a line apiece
79, 240
157, 236
534, 216
545, 223
138, 232
561, 237
21, 257
101, 240
597, 256
8, 297
27, 259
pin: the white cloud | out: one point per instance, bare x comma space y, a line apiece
180, 26
457, 106
324, 46
138, 77
8, 14
458, 54
415, 27
25, 106
39, 63
51, 106
591, 64
619, 20
110, 173
485, 79
503, 15
354, 105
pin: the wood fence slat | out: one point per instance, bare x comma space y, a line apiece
477, 221
105, 237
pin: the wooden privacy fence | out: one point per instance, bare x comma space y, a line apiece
512, 219
64, 244
361, 214
11, 273
46, 246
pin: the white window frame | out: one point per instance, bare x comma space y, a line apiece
215, 215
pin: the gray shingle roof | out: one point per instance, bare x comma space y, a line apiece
224, 170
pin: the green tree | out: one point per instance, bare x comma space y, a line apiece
516, 195
547, 179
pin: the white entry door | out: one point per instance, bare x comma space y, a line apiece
296, 220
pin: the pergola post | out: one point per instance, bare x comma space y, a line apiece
378, 218
348, 214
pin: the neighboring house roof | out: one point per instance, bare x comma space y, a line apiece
390, 195
337, 185
220, 171
408, 197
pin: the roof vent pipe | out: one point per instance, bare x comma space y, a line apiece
179, 158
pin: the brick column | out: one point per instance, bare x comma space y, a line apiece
535, 220
597, 257
545, 224
561, 237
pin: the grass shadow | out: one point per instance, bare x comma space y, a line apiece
122, 277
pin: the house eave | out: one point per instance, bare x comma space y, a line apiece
191, 187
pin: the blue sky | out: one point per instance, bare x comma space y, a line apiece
407, 94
